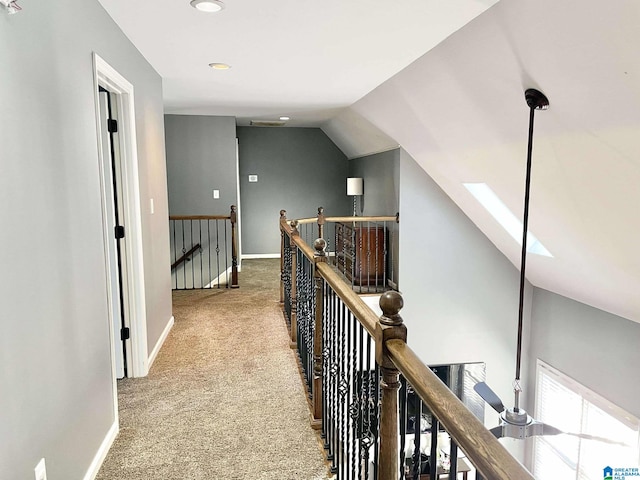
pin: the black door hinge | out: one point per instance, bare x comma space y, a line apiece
125, 333
119, 230
112, 126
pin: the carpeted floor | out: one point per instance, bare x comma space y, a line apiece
224, 399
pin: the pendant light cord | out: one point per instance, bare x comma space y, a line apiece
523, 264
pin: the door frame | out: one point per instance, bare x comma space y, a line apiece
133, 264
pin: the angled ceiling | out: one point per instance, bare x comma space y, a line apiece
457, 109
460, 112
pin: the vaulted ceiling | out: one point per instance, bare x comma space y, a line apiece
446, 82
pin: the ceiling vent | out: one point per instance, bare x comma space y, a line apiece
267, 123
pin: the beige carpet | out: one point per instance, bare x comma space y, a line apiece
224, 399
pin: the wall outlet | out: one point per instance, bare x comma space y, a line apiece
216, 194
41, 470
253, 178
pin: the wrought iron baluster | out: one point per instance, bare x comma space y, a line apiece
209, 248
403, 423
377, 396
417, 420
227, 241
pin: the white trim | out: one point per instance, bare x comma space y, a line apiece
101, 454
219, 280
160, 342
105, 75
251, 256
362, 155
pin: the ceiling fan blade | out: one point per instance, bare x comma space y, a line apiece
549, 430
489, 396
585, 436
497, 431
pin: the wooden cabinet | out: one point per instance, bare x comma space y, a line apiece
360, 253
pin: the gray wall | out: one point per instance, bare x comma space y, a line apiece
460, 292
381, 174
598, 349
299, 170
56, 397
201, 157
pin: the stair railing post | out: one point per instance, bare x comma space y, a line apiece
283, 217
320, 256
234, 247
321, 222
389, 327
293, 251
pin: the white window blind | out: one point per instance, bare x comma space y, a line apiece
564, 403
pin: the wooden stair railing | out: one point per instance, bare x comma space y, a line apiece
185, 256
198, 243
340, 387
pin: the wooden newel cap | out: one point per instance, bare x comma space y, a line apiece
294, 227
320, 244
391, 303
321, 220
283, 214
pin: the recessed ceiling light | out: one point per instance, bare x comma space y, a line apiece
209, 6
220, 66
505, 217
284, 119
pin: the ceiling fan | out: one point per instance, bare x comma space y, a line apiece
515, 422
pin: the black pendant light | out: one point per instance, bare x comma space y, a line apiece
536, 100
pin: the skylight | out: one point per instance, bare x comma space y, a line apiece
489, 200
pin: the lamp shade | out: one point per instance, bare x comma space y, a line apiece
355, 186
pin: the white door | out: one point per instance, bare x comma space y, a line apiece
114, 272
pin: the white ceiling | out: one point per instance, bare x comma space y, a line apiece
304, 59
458, 109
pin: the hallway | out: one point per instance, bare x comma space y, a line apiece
224, 399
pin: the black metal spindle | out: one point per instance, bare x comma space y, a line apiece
453, 460
402, 407
200, 243
417, 459
209, 248
433, 456
226, 255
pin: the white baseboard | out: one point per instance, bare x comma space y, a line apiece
252, 256
160, 342
226, 276
101, 454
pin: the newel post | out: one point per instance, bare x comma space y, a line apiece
321, 222
320, 256
283, 217
293, 251
389, 327
234, 248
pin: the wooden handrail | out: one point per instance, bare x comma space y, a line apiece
185, 256
233, 218
199, 217
361, 219
383, 218
360, 310
483, 449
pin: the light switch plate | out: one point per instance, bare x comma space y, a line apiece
253, 178
216, 194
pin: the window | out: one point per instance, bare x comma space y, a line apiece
505, 217
564, 403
